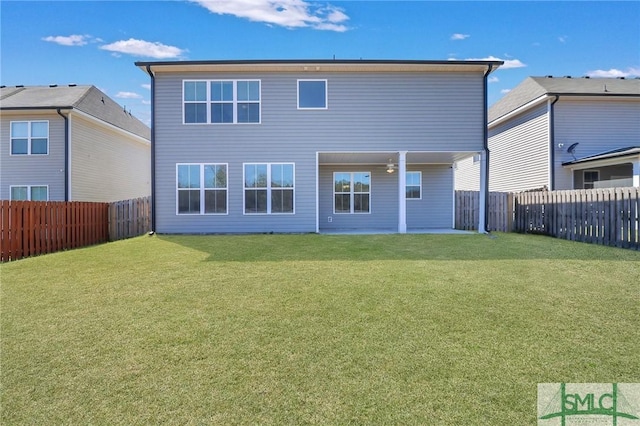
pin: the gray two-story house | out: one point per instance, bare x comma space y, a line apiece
312, 145
70, 143
562, 133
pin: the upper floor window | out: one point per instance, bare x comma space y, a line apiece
29, 137
30, 193
312, 94
202, 188
414, 185
221, 101
352, 192
269, 188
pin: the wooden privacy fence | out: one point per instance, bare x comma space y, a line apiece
29, 228
500, 212
600, 216
129, 218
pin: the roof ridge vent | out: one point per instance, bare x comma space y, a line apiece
53, 85
620, 78
72, 84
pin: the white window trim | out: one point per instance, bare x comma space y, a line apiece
419, 184
268, 189
589, 171
209, 101
29, 137
202, 190
351, 193
28, 191
326, 94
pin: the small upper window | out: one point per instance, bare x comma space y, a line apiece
29, 137
312, 94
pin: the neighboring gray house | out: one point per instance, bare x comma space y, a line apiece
70, 143
562, 133
312, 146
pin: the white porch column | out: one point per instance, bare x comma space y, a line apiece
484, 189
636, 172
402, 192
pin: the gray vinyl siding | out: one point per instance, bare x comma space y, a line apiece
383, 200
366, 112
33, 169
597, 126
435, 209
519, 152
107, 165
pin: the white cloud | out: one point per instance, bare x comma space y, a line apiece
563, 39
128, 95
146, 102
284, 13
612, 73
144, 48
146, 86
493, 79
505, 91
72, 40
458, 36
508, 63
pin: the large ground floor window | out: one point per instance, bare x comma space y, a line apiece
201, 188
352, 192
30, 193
269, 188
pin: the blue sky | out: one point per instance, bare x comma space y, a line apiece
97, 42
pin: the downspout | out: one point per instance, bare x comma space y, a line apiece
552, 147
66, 153
486, 147
153, 150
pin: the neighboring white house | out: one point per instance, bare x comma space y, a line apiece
312, 145
562, 133
70, 143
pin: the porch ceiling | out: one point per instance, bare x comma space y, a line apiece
386, 157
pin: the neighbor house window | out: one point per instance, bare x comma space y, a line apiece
414, 185
352, 192
269, 188
221, 101
312, 94
589, 177
201, 188
30, 193
29, 137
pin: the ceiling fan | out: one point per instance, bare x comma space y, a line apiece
391, 167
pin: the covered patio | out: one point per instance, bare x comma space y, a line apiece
386, 192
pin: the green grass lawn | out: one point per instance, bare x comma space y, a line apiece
313, 329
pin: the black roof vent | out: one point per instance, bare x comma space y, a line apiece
19, 85
3, 86
620, 78
53, 85
586, 76
567, 76
549, 76
72, 85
